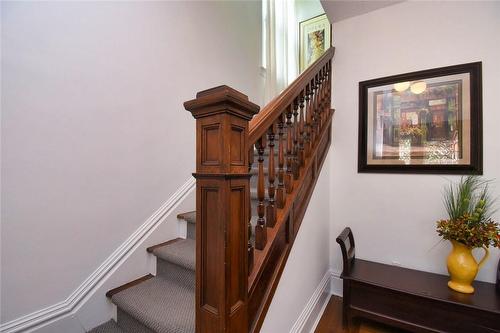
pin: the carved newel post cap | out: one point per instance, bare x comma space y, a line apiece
221, 99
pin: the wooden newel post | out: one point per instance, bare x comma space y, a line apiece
222, 208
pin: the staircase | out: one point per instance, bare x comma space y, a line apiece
240, 236
163, 303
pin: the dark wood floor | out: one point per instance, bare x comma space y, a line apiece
331, 321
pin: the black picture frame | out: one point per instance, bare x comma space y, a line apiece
473, 144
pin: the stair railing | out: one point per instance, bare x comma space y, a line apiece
237, 270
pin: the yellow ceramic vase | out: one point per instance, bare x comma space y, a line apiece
463, 267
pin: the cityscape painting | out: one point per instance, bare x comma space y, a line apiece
428, 121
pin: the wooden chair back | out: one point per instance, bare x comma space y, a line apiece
346, 242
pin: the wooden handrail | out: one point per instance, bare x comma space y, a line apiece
269, 113
239, 260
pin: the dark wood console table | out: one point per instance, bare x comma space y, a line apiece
413, 300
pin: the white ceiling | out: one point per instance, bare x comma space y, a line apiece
341, 10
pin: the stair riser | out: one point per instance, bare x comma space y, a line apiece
171, 271
191, 230
129, 324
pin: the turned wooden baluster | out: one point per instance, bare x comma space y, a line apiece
329, 86
316, 106
295, 148
301, 155
289, 152
271, 207
313, 112
250, 245
325, 94
260, 228
280, 193
320, 99
307, 129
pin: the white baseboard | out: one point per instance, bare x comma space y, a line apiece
324, 302
313, 310
336, 284
311, 315
65, 310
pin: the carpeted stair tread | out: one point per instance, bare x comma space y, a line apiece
254, 171
181, 253
189, 217
267, 151
108, 327
163, 305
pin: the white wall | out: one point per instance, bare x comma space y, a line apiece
306, 9
393, 216
94, 134
340, 10
307, 263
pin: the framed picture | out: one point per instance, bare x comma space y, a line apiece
422, 122
315, 38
